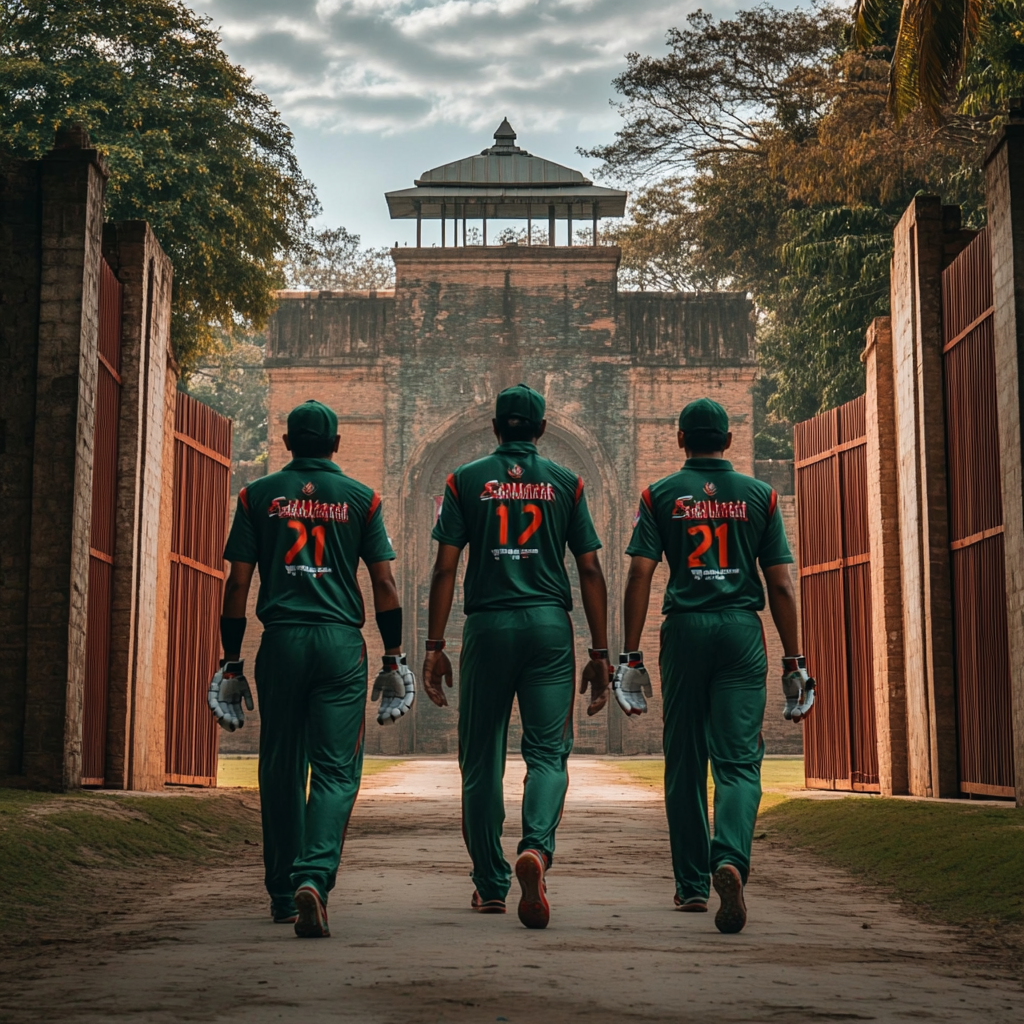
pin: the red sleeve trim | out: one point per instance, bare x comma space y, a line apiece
579, 488
451, 484
374, 505
645, 497
243, 497
772, 503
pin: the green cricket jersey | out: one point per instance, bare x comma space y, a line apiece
517, 511
714, 525
307, 527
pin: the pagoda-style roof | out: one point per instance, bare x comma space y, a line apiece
505, 181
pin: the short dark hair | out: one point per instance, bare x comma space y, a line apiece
311, 448
515, 428
705, 440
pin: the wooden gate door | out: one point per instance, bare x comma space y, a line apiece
101, 540
840, 747
202, 491
984, 702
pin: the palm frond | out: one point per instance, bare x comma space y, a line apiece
869, 20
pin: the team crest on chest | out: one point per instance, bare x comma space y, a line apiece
710, 489
515, 472
308, 489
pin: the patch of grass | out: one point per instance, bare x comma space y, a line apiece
778, 775
956, 863
243, 772
55, 850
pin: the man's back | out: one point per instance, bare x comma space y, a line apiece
714, 525
517, 511
306, 527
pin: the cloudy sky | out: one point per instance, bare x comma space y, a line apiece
378, 91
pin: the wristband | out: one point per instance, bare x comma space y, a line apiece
632, 658
794, 663
391, 662
232, 632
390, 625
436, 645
598, 653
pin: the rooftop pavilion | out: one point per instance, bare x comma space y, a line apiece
504, 182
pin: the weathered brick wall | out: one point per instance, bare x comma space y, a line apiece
19, 328
72, 183
413, 377
1004, 175
137, 683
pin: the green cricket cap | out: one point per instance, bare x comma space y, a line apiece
704, 414
312, 421
521, 401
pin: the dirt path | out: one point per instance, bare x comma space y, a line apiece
407, 950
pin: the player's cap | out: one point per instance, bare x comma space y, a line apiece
521, 401
312, 421
704, 415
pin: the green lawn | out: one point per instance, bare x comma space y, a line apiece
58, 853
241, 772
950, 862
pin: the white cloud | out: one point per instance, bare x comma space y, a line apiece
392, 66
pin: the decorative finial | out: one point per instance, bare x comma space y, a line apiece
505, 131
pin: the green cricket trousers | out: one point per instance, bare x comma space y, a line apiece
713, 669
527, 654
311, 682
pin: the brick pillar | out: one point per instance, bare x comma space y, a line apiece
926, 238
884, 536
1004, 167
72, 180
19, 332
136, 691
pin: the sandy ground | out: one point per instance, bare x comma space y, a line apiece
407, 950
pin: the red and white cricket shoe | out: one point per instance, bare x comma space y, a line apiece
312, 920
482, 906
534, 910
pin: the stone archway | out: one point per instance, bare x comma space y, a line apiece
459, 439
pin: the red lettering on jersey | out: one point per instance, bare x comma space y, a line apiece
687, 508
494, 491
290, 508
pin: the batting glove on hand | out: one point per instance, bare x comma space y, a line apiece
398, 686
631, 682
228, 688
798, 688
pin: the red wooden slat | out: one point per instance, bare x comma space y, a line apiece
984, 700
202, 484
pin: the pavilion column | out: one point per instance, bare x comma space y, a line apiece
568, 223
551, 225
419, 226
593, 210
444, 223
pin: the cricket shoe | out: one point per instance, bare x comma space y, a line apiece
732, 914
283, 912
482, 906
534, 910
312, 920
693, 905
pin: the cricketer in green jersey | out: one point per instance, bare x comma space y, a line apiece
307, 527
517, 512
714, 527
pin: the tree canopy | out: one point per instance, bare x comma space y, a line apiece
764, 158
332, 259
192, 147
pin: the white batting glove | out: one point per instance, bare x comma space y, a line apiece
228, 688
631, 682
395, 685
798, 688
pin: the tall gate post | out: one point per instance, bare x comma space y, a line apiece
924, 240
1004, 167
884, 534
72, 186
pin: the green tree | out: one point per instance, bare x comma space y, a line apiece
234, 382
191, 145
331, 260
768, 162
